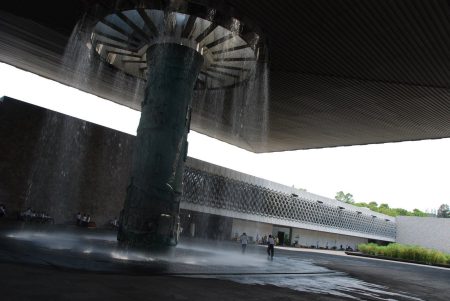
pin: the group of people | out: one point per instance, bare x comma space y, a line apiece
29, 215
83, 220
270, 244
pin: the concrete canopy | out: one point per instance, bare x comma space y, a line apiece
343, 72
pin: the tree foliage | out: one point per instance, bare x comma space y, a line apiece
382, 208
443, 211
344, 197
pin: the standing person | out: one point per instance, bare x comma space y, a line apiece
84, 220
244, 242
79, 219
115, 222
257, 238
2, 210
270, 246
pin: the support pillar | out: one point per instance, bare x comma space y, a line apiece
150, 216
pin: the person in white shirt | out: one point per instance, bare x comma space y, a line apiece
270, 246
244, 241
115, 222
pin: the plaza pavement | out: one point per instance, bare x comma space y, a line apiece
51, 263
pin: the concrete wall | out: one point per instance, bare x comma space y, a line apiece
250, 228
322, 239
428, 232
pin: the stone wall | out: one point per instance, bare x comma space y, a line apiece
323, 239
429, 232
61, 165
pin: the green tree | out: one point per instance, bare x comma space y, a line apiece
344, 197
373, 206
384, 207
417, 212
443, 211
400, 211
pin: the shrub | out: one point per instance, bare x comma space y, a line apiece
414, 253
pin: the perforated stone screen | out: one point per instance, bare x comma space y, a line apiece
210, 190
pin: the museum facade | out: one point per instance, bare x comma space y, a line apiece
63, 165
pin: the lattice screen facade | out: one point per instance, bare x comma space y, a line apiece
210, 190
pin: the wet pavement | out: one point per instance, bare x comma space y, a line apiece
92, 251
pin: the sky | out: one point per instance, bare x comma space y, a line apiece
405, 174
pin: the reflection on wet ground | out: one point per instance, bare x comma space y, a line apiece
97, 251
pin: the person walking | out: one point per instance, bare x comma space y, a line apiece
270, 247
244, 242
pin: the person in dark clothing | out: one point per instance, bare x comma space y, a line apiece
2, 210
270, 246
84, 221
79, 219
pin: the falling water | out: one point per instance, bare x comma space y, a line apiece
85, 70
239, 112
235, 26
77, 59
256, 117
54, 180
211, 14
72, 161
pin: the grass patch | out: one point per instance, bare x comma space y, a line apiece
414, 253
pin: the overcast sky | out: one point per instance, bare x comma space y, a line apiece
407, 174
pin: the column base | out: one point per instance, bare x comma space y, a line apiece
154, 223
